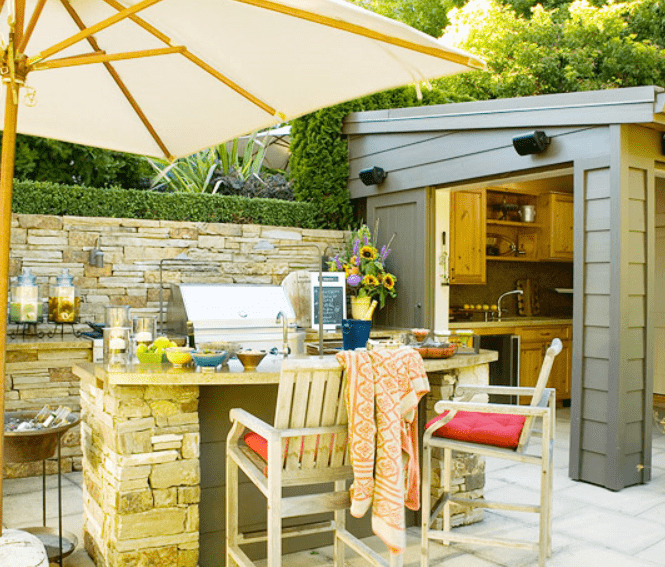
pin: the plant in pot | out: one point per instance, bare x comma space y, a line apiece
368, 282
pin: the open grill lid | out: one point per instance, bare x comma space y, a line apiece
243, 313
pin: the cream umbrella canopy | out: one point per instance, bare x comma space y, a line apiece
171, 77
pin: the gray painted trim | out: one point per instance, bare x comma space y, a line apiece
439, 167
581, 166
615, 421
612, 106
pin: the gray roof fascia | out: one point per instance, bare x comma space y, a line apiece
636, 105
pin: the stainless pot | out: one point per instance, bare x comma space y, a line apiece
528, 213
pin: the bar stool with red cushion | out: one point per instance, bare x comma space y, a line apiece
306, 446
494, 430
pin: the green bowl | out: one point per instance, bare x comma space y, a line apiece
150, 357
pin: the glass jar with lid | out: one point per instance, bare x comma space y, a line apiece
25, 306
64, 303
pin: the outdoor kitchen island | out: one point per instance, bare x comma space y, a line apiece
153, 439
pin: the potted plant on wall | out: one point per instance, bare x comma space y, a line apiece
366, 276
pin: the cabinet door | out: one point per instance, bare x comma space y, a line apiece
467, 237
535, 342
557, 234
562, 226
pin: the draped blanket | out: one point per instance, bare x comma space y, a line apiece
384, 387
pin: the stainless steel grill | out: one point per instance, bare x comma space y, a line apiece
240, 313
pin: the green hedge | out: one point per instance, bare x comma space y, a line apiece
54, 199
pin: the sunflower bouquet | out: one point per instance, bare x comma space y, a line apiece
364, 266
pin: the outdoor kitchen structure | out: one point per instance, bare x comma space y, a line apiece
587, 170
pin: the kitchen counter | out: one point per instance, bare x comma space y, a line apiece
234, 374
508, 323
153, 439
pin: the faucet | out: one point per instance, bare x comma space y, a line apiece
281, 316
499, 311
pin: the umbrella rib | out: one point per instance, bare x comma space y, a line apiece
103, 57
200, 63
86, 33
120, 83
31, 25
356, 29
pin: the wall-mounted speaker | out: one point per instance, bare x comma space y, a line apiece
532, 143
373, 175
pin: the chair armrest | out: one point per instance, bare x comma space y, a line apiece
320, 430
250, 421
443, 405
462, 389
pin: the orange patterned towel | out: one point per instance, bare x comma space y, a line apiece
384, 387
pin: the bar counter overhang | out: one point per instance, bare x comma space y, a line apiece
153, 440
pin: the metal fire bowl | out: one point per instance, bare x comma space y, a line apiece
37, 445
51, 541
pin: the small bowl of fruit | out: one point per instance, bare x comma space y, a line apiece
209, 358
155, 352
179, 356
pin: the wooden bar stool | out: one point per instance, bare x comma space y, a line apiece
307, 445
493, 430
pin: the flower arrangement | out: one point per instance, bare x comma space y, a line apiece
364, 266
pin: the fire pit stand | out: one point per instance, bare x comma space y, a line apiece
39, 445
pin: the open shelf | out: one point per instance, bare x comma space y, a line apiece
516, 224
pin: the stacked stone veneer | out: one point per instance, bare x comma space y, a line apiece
141, 474
468, 471
38, 374
224, 253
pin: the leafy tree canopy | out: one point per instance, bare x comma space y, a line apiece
572, 48
43, 159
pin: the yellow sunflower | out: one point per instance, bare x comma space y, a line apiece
370, 281
388, 281
368, 252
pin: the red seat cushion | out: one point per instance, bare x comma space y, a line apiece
498, 429
257, 444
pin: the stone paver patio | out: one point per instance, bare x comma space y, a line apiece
591, 525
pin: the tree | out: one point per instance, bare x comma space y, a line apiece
572, 48
43, 159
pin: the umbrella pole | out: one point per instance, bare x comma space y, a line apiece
6, 186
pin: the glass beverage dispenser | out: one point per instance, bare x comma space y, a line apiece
64, 303
25, 306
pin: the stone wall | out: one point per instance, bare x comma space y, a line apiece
38, 374
141, 470
133, 249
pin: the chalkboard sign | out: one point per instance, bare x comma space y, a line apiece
334, 299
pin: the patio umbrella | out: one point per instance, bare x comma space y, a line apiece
170, 77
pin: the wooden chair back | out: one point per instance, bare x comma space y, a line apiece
311, 400
538, 400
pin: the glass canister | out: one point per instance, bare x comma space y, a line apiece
64, 303
143, 330
25, 306
118, 316
116, 346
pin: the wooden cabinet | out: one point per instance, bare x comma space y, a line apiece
510, 234
534, 343
467, 237
556, 213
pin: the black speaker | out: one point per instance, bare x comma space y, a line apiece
532, 143
373, 175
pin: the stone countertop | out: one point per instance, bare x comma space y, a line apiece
511, 322
234, 374
48, 343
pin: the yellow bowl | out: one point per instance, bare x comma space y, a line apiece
179, 355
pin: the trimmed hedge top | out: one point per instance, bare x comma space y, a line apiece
30, 197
